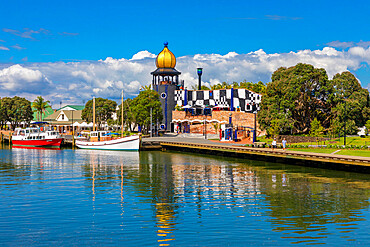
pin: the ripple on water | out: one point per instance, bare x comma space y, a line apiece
85, 197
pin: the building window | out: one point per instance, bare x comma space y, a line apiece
62, 117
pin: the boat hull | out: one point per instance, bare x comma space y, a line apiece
130, 143
46, 143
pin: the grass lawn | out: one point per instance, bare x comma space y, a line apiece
314, 150
360, 141
363, 153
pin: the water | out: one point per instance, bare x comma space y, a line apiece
83, 197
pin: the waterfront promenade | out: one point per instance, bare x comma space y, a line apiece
232, 149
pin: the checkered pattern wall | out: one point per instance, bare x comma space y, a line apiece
243, 99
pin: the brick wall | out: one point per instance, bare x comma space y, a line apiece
238, 119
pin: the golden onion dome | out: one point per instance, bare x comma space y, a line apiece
165, 58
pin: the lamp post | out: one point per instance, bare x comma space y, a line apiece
200, 72
205, 126
255, 127
345, 116
151, 122
231, 125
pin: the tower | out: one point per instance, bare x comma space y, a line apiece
165, 82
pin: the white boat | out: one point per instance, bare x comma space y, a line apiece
102, 140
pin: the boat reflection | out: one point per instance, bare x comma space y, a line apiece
41, 148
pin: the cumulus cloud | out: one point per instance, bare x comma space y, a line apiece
17, 79
143, 54
77, 82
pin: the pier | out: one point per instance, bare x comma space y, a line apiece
202, 146
232, 149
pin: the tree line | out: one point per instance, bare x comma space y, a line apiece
302, 100
258, 87
17, 110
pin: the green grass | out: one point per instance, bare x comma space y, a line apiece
360, 141
362, 153
314, 150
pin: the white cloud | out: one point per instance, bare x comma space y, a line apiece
75, 82
3, 48
143, 54
19, 79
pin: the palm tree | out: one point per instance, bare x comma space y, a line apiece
40, 106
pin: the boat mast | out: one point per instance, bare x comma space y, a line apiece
94, 113
122, 115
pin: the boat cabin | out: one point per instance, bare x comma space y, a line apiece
96, 136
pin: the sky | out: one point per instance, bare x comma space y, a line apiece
68, 51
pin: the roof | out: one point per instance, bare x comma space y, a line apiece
76, 107
76, 117
165, 71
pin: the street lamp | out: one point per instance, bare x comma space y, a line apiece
254, 108
205, 126
345, 116
230, 125
200, 72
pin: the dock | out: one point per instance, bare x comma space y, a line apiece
232, 149
198, 145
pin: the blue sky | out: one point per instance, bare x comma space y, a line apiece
36, 34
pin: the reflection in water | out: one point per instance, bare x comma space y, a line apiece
164, 199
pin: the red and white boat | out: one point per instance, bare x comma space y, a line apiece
35, 137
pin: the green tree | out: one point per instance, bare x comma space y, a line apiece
367, 125
316, 128
40, 106
140, 109
296, 96
16, 110
104, 109
2, 114
351, 102
258, 87
195, 87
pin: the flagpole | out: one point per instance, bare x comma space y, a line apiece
94, 113
122, 115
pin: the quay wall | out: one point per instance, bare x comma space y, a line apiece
333, 162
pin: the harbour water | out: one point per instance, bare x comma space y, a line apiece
85, 197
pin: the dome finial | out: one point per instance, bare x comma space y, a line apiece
165, 58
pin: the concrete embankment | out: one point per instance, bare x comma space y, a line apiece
327, 161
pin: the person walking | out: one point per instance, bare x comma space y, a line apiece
273, 144
284, 143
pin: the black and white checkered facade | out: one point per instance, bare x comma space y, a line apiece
242, 99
